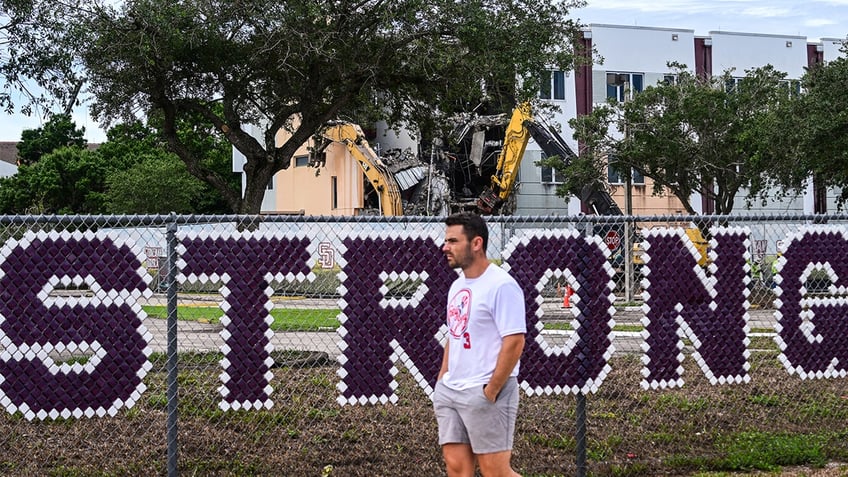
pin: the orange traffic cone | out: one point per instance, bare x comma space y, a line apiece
566, 297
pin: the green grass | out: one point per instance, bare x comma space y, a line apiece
771, 451
285, 319
565, 325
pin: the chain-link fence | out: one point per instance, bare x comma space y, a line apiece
290, 345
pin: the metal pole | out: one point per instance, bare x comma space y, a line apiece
628, 211
171, 364
580, 436
580, 414
628, 247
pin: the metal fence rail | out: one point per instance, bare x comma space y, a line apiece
291, 345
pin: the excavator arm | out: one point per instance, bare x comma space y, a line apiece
522, 126
594, 195
503, 181
372, 166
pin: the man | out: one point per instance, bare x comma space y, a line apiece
476, 395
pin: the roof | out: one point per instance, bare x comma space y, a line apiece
9, 152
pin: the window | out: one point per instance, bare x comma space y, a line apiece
552, 85
731, 84
549, 174
301, 161
334, 192
622, 86
616, 177
669, 80
794, 87
545, 85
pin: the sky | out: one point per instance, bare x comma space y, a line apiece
814, 19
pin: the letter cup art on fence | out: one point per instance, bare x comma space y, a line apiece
381, 330
812, 333
245, 264
682, 302
34, 324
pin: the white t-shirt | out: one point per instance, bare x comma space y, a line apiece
480, 312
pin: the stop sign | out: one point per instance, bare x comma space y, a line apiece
613, 239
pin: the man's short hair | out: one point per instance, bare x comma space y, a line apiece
473, 225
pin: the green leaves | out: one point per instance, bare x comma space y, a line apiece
693, 134
223, 65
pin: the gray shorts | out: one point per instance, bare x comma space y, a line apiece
467, 417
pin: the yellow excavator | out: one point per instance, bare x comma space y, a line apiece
352, 136
503, 181
522, 126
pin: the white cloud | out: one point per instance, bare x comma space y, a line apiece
817, 22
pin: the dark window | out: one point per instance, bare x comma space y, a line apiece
301, 161
622, 86
548, 175
552, 85
731, 84
559, 85
613, 176
334, 192
545, 85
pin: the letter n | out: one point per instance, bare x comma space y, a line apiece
682, 302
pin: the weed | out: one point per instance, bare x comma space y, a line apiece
558, 442
766, 400
767, 451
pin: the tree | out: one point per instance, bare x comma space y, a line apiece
59, 131
146, 178
67, 180
35, 54
297, 64
158, 184
815, 127
132, 172
690, 135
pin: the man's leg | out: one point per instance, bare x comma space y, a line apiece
496, 464
459, 459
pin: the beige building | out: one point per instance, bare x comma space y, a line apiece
334, 189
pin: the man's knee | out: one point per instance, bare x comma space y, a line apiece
496, 464
459, 460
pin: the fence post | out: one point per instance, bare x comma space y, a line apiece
171, 364
580, 460
580, 413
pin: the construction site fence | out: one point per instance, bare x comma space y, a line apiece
304, 345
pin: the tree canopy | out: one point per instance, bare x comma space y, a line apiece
692, 135
131, 173
815, 127
36, 60
295, 65
59, 131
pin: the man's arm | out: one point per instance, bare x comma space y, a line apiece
511, 349
444, 368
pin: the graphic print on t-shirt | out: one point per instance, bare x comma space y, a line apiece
459, 307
